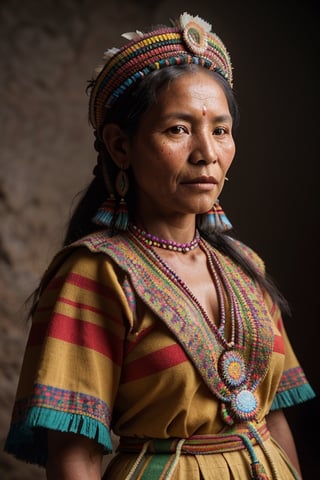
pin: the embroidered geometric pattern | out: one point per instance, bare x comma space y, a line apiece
256, 319
292, 378
64, 401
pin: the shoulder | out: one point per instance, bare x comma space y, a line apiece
84, 260
79, 260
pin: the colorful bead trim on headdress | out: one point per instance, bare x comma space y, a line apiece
188, 41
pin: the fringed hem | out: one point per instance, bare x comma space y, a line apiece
26, 440
294, 396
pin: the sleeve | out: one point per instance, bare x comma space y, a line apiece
72, 362
293, 387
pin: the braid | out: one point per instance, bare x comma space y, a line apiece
80, 223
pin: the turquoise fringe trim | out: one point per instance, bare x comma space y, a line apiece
26, 440
291, 397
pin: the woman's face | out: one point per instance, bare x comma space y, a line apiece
182, 149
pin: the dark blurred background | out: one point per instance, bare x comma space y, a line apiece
48, 50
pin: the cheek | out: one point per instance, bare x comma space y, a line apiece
228, 156
165, 161
167, 152
150, 168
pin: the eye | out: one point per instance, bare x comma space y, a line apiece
177, 129
219, 131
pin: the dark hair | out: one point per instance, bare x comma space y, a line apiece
127, 113
129, 108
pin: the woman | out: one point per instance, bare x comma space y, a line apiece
153, 322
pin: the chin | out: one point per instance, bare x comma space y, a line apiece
204, 210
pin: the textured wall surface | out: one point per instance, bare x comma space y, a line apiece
48, 50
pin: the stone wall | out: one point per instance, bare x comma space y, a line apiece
48, 49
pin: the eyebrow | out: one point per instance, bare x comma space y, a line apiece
188, 116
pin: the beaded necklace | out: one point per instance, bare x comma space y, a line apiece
219, 331
235, 379
231, 366
153, 241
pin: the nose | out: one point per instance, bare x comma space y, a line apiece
204, 150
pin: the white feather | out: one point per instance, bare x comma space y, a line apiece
132, 35
109, 53
185, 18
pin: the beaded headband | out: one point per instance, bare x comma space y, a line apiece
188, 41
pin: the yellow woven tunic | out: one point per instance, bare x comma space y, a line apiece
116, 345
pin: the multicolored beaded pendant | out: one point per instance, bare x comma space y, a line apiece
232, 368
233, 372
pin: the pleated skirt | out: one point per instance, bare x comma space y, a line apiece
218, 466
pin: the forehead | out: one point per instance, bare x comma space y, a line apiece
193, 89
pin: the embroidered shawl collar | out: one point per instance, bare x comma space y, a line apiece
182, 316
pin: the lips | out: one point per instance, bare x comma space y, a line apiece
202, 179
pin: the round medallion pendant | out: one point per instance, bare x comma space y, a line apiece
232, 368
244, 405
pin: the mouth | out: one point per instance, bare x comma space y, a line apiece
203, 179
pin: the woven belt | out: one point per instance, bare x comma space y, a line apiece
158, 457
236, 439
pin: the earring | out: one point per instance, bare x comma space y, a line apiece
122, 187
215, 220
105, 213
109, 214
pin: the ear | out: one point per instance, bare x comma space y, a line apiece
117, 144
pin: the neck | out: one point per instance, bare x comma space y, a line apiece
180, 231
152, 240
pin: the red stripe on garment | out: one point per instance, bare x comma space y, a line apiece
81, 282
90, 308
280, 324
273, 309
153, 363
79, 333
278, 344
38, 330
